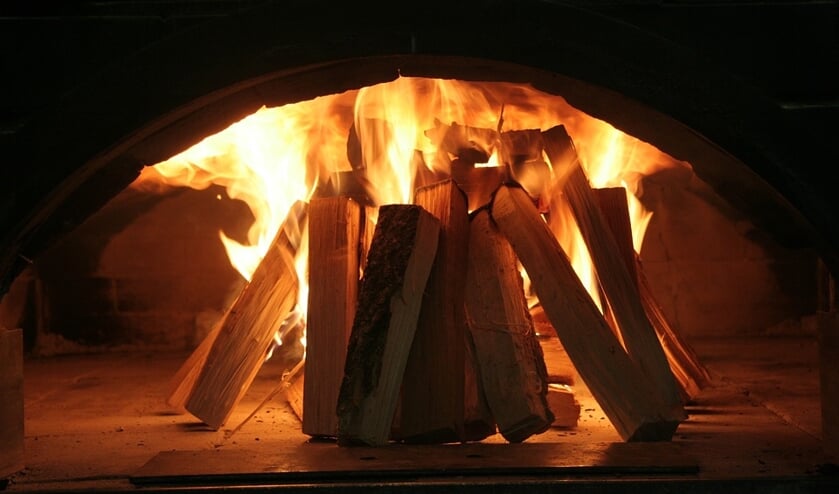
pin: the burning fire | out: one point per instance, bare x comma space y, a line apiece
278, 156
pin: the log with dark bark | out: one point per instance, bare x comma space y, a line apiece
399, 262
334, 243
628, 397
510, 360
614, 278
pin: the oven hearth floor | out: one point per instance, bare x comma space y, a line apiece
99, 422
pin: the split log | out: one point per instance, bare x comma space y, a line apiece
11, 401
625, 393
183, 382
334, 241
564, 405
433, 389
400, 259
689, 372
637, 333
240, 347
510, 360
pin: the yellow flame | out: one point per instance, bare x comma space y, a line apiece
278, 156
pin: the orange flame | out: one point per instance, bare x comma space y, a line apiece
278, 156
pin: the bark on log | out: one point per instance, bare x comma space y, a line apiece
613, 275
625, 393
334, 242
400, 259
510, 359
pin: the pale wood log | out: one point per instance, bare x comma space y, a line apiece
689, 372
479, 422
11, 401
401, 255
433, 408
334, 242
637, 334
510, 360
564, 405
615, 208
240, 347
628, 398
183, 381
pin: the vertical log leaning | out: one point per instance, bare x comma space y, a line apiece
614, 278
690, 374
625, 393
334, 231
510, 359
11, 401
400, 259
434, 389
183, 382
240, 347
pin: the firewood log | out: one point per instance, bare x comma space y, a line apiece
510, 360
620, 289
689, 372
334, 242
434, 387
183, 382
628, 398
564, 405
241, 343
401, 255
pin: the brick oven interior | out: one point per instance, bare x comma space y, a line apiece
113, 287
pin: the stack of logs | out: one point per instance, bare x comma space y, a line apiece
436, 343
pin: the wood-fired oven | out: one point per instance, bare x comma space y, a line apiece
114, 285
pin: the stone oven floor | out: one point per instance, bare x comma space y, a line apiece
98, 422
